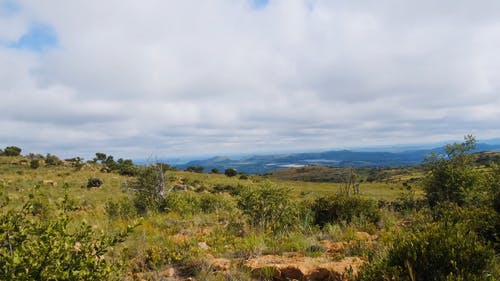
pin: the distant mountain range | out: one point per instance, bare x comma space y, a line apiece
260, 164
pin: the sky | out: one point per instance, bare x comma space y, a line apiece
179, 78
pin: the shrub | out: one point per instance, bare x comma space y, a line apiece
452, 176
150, 189
34, 164
123, 209
438, 251
12, 151
40, 248
195, 169
230, 172
268, 206
94, 182
214, 171
52, 160
344, 208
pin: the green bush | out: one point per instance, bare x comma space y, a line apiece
230, 172
438, 251
12, 151
451, 177
344, 208
149, 189
40, 248
123, 209
34, 164
269, 207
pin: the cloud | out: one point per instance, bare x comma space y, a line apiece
214, 77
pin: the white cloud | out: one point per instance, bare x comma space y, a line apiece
213, 77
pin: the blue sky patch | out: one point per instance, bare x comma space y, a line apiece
259, 4
9, 7
39, 37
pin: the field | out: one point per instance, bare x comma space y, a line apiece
208, 229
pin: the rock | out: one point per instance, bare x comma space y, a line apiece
169, 272
360, 235
220, 264
49, 182
303, 268
333, 247
203, 245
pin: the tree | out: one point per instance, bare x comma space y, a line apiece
195, 169
12, 151
99, 156
230, 172
52, 160
451, 176
215, 171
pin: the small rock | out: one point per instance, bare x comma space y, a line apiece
203, 245
169, 272
220, 264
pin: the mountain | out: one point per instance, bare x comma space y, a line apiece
260, 164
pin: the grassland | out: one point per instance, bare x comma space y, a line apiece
204, 225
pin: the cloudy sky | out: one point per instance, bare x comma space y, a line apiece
205, 77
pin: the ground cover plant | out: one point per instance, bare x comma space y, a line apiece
159, 223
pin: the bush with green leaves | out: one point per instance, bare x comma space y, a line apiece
437, 251
344, 208
230, 172
40, 248
269, 207
12, 151
149, 188
451, 177
120, 209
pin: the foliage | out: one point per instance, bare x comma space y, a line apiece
195, 169
37, 248
343, 208
268, 206
34, 163
149, 189
214, 171
451, 177
12, 151
230, 172
438, 251
52, 160
94, 182
122, 209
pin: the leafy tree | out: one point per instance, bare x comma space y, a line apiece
451, 176
99, 156
230, 172
215, 171
12, 151
195, 169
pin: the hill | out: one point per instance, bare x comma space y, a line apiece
261, 164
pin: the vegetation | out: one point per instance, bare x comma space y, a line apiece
157, 223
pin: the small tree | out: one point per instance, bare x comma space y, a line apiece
215, 171
150, 188
99, 156
12, 151
230, 172
451, 176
